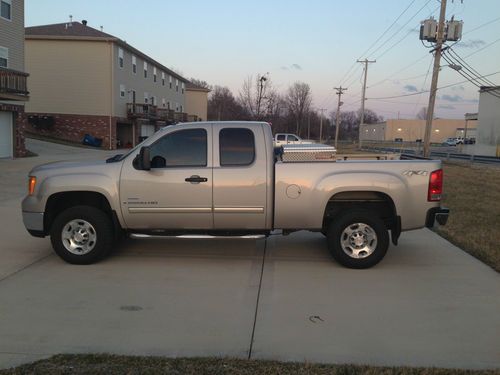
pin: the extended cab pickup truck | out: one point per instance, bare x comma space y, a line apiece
224, 178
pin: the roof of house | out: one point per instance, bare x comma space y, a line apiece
191, 86
78, 31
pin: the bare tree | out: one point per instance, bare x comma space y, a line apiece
200, 83
255, 95
223, 106
298, 99
422, 114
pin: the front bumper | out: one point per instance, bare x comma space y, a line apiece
437, 214
33, 221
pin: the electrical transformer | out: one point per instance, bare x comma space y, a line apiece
454, 30
428, 30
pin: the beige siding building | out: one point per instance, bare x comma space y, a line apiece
197, 101
413, 130
85, 81
13, 79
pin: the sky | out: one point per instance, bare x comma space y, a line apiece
315, 41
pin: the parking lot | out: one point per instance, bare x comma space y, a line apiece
426, 304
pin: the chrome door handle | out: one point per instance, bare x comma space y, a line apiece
195, 179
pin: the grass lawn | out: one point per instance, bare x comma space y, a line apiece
111, 364
473, 195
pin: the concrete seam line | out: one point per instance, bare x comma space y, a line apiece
258, 300
24, 268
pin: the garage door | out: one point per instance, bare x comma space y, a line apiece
5, 134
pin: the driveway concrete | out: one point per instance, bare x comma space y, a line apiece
427, 304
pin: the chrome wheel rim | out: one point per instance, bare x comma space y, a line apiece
78, 237
358, 240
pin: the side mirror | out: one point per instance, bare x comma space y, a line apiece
144, 159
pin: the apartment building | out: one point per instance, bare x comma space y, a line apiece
85, 81
13, 79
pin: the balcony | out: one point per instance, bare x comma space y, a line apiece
13, 85
152, 112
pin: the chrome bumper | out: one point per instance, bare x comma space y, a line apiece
33, 221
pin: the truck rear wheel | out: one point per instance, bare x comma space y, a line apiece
82, 235
358, 239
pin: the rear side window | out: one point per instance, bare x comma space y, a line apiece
292, 138
184, 148
237, 147
281, 137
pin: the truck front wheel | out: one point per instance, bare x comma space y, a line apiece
82, 235
358, 239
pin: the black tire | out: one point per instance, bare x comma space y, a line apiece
102, 230
343, 221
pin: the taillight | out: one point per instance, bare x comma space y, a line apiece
435, 186
31, 185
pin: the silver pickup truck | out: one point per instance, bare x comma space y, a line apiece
226, 178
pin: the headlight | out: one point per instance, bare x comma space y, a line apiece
31, 185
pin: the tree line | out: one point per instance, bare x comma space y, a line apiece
288, 112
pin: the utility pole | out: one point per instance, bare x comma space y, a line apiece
340, 91
435, 74
363, 96
321, 124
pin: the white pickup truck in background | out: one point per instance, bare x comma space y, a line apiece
281, 139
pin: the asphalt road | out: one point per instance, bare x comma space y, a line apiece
427, 304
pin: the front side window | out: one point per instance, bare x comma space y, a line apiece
237, 147
6, 9
281, 137
183, 148
4, 57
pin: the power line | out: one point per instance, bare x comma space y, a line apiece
378, 39
401, 28
482, 25
486, 46
423, 92
457, 59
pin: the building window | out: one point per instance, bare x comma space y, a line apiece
153, 100
177, 85
134, 64
170, 81
120, 57
146, 97
145, 69
168, 105
163, 78
6, 9
154, 74
122, 91
182, 88
176, 107
236, 147
4, 57
163, 102
182, 108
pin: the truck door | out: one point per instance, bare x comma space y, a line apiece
240, 177
177, 192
